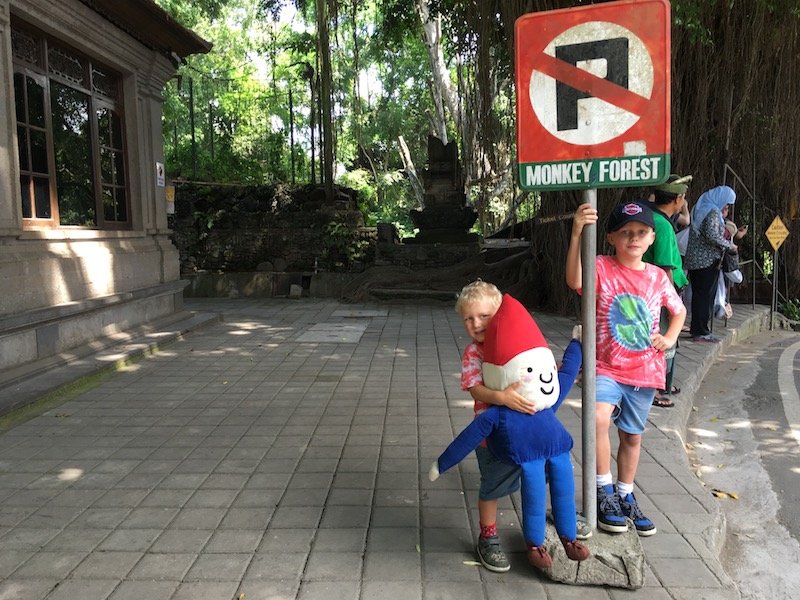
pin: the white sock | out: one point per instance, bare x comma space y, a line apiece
604, 479
623, 489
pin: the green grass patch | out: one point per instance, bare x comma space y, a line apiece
69, 391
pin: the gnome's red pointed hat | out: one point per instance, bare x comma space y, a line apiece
511, 331
515, 351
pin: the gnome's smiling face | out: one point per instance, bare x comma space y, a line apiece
535, 369
515, 350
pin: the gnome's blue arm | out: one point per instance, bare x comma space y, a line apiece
570, 365
467, 440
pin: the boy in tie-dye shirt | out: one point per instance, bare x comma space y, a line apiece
630, 350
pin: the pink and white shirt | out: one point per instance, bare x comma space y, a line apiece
472, 372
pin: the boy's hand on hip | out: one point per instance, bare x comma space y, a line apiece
661, 343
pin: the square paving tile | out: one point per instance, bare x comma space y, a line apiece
205, 590
219, 567
105, 565
172, 566
234, 541
128, 540
138, 590
46, 565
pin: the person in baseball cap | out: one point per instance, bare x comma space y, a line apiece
630, 212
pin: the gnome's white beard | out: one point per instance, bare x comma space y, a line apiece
535, 368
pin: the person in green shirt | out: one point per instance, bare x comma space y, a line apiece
667, 202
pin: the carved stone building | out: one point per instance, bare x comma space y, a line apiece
84, 246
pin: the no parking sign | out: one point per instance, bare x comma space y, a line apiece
593, 96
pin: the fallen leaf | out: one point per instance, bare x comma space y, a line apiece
472, 563
714, 419
722, 494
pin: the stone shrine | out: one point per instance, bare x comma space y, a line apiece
445, 218
443, 238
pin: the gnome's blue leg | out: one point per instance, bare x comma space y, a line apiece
534, 502
562, 495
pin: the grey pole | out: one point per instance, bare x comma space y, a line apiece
589, 377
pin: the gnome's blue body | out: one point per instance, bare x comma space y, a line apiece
537, 442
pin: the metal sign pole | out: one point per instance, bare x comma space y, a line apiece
773, 305
589, 377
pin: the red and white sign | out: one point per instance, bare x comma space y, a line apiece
593, 95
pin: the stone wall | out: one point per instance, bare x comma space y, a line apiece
269, 228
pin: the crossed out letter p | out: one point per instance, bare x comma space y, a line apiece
615, 53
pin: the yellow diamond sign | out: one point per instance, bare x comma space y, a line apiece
776, 233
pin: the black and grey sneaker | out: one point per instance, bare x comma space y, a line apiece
583, 528
491, 554
609, 513
630, 508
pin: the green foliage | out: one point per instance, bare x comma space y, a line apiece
688, 15
790, 309
383, 201
342, 244
242, 118
768, 263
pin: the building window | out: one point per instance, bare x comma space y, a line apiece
71, 136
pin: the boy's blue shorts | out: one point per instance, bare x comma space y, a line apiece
498, 479
633, 404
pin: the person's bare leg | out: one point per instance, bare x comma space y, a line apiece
603, 441
630, 446
487, 512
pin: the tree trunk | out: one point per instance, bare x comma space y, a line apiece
443, 92
324, 52
411, 172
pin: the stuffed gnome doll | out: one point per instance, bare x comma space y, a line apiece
515, 350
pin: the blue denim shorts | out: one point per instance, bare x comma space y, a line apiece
498, 479
633, 404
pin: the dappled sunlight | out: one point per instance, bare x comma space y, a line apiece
746, 424
768, 425
130, 367
462, 403
704, 433
706, 469
101, 279
70, 474
239, 327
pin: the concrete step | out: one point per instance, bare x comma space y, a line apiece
29, 382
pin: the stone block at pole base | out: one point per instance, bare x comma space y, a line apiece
617, 560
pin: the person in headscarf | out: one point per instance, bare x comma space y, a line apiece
704, 251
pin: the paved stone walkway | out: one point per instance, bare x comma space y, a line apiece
282, 453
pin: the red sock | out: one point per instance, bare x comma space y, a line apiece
488, 530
